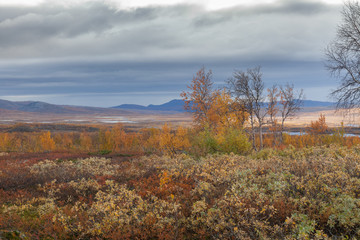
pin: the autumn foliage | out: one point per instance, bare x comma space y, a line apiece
319, 126
206, 181
213, 108
273, 194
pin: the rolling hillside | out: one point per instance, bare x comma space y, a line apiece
177, 105
46, 108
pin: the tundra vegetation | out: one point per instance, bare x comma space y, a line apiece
235, 174
222, 178
290, 193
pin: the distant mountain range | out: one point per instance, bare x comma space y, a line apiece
47, 108
310, 103
177, 105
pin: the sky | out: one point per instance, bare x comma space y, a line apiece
110, 52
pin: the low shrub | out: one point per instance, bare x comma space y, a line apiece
310, 193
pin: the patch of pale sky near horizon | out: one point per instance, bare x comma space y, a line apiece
209, 4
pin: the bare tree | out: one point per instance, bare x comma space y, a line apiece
239, 87
248, 89
290, 103
343, 57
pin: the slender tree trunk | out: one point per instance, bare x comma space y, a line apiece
275, 134
253, 132
281, 131
260, 136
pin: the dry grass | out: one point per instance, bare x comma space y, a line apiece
157, 119
333, 118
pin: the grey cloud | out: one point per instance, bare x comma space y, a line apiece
282, 7
82, 50
44, 22
97, 29
295, 7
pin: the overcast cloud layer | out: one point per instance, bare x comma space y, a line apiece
95, 53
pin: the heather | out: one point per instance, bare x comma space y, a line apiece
309, 193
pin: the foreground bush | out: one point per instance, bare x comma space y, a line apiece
228, 140
312, 193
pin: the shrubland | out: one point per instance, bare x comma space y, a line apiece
167, 140
203, 182
226, 177
309, 193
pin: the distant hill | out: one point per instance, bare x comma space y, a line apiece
177, 105
310, 103
47, 108
131, 107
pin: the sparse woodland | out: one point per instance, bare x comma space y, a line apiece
234, 175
